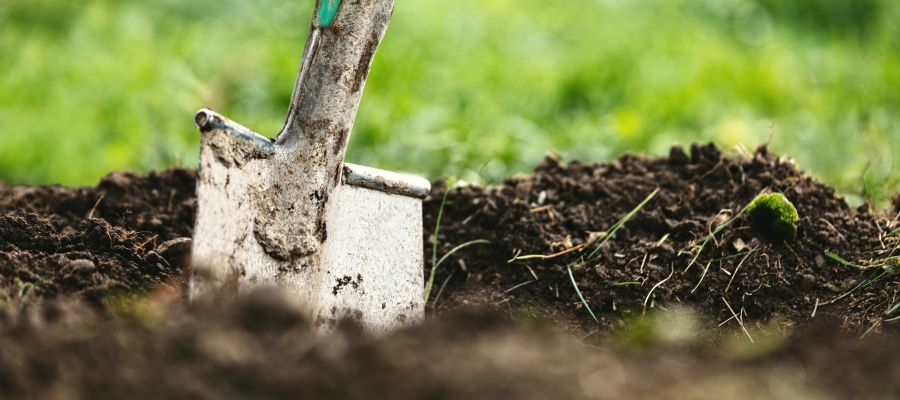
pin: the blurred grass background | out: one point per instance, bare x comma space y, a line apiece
477, 89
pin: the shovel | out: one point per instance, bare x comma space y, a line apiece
346, 240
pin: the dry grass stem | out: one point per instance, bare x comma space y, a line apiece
739, 320
703, 275
738, 268
544, 257
800, 260
91, 214
532, 272
656, 286
833, 228
148, 241
515, 257
643, 263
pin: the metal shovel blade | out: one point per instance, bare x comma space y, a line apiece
370, 265
345, 239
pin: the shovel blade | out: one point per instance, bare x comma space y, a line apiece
372, 261
370, 267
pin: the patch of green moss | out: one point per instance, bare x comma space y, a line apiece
775, 216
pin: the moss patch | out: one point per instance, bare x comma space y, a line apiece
774, 216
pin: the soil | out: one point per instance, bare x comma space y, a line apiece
93, 281
754, 273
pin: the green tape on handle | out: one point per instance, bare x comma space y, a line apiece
327, 11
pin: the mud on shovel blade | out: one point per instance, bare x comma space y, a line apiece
345, 239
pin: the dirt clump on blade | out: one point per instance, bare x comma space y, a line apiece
544, 225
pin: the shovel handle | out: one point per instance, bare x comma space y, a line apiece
327, 12
343, 37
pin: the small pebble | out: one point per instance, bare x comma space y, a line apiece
82, 266
176, 251
807, 281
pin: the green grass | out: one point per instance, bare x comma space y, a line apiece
478, 89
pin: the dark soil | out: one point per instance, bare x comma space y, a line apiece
93, 280
697, 192
109, 231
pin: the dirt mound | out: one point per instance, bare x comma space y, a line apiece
561, 206
92, 261
160, 203
93, 281
93, 243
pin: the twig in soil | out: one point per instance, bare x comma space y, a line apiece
515, 257
145, 243
91, 214
644, 312
541, 208
518, 286
712, 220
544, 257
714, 233
532, 272
469, 218
833, 228
702, 275
800, 260
816, 307
643, 262
738, 268
726, 321
579, 294
739, 320
612, 230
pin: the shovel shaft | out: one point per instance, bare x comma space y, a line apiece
342, 40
